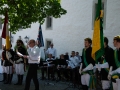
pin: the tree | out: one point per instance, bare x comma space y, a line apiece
22, 13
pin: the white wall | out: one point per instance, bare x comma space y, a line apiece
69, 31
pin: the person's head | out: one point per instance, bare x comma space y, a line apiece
51, 45
77, 53
19, 42
66, 53
31, 43
73, 53
106, 41
116, 41
61, 56
50, 55
87, 42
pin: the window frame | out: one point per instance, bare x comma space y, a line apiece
49, 23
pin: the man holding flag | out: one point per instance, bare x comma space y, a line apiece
98, 49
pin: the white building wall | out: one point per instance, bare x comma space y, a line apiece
69, 31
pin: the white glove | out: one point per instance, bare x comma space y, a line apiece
89, 67
109, 77
94, 69
115, 71
105, 65
19, 60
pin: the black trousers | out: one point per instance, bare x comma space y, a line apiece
32, 74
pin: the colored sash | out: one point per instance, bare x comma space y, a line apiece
92, 81
84, 56
116, 58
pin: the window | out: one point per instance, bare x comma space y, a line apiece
49, 22
104, 5
0, 43
48, 42
0, 23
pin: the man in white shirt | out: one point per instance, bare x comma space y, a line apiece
33, 60
52, 51
73, 63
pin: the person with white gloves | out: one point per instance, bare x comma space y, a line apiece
87, 64
105, 61
114, 73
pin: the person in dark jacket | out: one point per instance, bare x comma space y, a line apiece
105, 62
9, 64
114, 73
87, 60
3, 63
19, 61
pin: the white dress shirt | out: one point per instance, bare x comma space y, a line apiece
52, 51
74, 62
34, 54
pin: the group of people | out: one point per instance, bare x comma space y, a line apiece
107, 66
15, 61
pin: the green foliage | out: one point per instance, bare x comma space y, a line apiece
22, 13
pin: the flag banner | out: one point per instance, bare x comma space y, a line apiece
40, 37
5, 32
98, 40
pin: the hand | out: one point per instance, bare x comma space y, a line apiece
24, 56
109, 77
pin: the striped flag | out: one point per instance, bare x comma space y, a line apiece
40, 37
5, 32
98, 40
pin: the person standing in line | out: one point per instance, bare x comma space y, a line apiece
105, 62
87, 60
2, 63
33, 60
9, 63
19, 61
52, 51
114, 73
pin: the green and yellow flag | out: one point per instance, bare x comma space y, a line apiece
98, 41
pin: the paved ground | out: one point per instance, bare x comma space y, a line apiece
42, 84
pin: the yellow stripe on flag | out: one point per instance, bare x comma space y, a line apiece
96, 38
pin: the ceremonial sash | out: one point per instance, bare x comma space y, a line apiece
116, 58
92, 81
115, 76
84, 56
